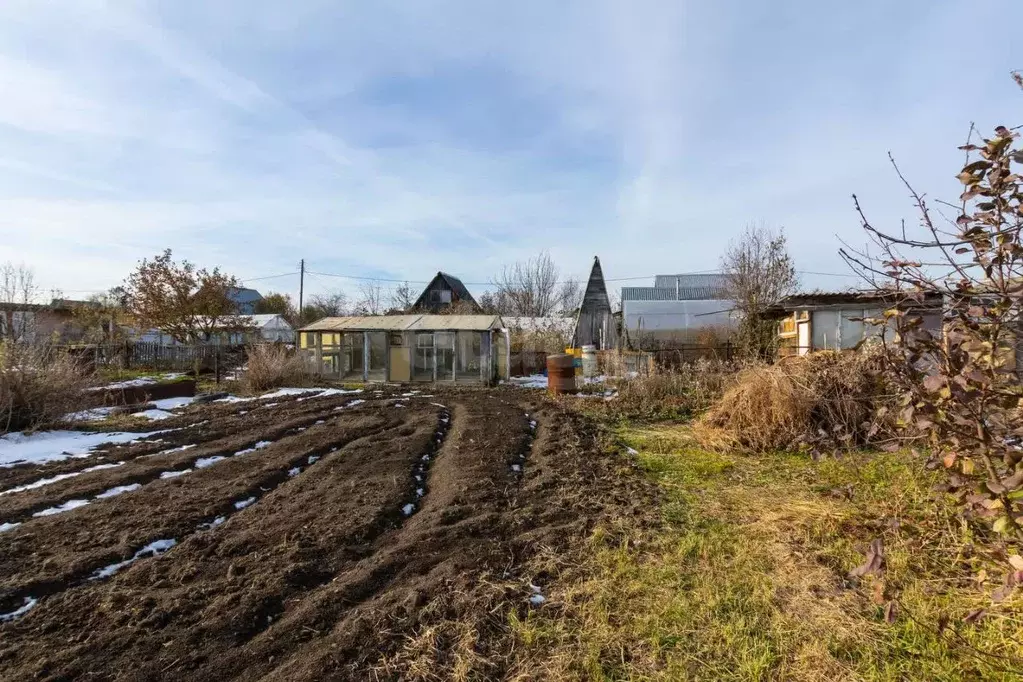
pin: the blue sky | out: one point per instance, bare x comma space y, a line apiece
395, 139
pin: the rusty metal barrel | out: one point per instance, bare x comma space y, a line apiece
560, 374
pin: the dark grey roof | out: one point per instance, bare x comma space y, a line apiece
453, 283
457, 287
688, 281
671, 294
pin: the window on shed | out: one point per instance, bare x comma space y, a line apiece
440, 296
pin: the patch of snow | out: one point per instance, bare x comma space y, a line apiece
338, 391
282, 392
242, 504
49, 446
153, 414
60, 509
233, 399
155, 548
537, 599
319, 421
532, 424
173, 403
167, 452
204, 462
439, 405
631, 451
419, 478
536, 589
258, 446
408, 509
40, 483
516, 468
101, 467
8, 526
21, 611
419, 492
399, 404
175, 474
94, 414
531, 381
292, 473
313, 459
115, 491
271, 405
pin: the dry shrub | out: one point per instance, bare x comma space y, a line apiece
673, 392
38, 385
275, 366
829, 397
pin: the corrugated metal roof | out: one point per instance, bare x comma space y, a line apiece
457, 322
715, 280
666, 294
406, 323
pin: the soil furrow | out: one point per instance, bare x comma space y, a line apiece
144, 469
43, 556
221, 589
198, 424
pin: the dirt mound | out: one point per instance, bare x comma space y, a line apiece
328, 553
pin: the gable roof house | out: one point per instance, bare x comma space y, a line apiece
245, 299
444, 291
679, 308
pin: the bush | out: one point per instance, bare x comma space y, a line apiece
832, 398
665, 393
275, 366
38, 385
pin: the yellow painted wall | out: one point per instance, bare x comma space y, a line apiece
401, 369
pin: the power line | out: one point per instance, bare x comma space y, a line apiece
284, 274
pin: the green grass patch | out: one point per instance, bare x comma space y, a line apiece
745, 578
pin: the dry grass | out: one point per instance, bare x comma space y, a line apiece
827, 398
670, 393
38, 385
746, 579
273, 366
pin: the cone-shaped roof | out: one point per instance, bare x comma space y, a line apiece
595, 297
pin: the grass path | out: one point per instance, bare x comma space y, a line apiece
744, 577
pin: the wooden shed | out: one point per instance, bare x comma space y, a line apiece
409, 348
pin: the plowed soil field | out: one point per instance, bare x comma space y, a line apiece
344, 536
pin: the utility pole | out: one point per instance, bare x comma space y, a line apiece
301, 288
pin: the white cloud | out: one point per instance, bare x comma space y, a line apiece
395, 138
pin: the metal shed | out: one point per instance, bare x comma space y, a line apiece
403, 348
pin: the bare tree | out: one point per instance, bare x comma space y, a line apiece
758, 273
17, 288
529, 288
403, 297
371, 299
571, 296
959, 382
332, 304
